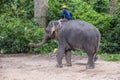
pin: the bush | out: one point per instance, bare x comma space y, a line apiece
17, 8
101, 5
18, 28
12, 36
112, 43
16, 33
14, 23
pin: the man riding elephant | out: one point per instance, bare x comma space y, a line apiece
66, 15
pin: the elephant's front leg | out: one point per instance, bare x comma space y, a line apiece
68, 58
60, 56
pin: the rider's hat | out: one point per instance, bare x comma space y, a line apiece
64, 7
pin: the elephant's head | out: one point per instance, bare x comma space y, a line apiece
51, 32
52, 29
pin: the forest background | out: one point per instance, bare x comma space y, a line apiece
18, 27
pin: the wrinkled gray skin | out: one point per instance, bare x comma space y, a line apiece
73, 35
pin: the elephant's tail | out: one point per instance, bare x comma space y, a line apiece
97, 46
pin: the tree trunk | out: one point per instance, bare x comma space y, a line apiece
113, 6
40, 11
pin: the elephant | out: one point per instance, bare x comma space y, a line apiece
73, 35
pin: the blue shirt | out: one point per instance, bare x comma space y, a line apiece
66, 14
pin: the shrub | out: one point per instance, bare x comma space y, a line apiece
17, 8
112, 43
18, 28
101, 5
12, 36
16, 34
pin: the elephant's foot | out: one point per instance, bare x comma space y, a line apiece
59, 65
68, 64
90, 66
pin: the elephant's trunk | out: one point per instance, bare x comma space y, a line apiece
39, 44
36, 45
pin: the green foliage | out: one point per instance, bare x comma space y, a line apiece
111, 57
16, 34
13, 36
101, 5
18, 28
88, 1
112, 43
18, 8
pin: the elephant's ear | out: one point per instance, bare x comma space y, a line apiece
53, 29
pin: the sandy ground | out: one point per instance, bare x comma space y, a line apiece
37, 67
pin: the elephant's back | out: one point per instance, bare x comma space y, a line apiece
80, 33
79, 26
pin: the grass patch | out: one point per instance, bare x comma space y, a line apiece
110, 57
79, 52
105, 56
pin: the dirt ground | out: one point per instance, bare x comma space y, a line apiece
39, 67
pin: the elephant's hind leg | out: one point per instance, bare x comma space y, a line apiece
68, 58
90, 63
